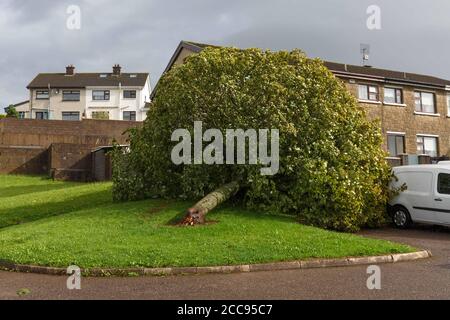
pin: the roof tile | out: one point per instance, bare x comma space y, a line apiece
82, 80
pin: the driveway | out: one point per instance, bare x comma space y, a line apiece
426, 279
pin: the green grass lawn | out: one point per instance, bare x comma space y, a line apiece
59, 224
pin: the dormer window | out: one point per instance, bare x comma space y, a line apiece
103, 76
133, 75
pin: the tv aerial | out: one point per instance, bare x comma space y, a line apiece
365, 51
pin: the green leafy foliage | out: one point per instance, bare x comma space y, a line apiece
11, 112
332, 168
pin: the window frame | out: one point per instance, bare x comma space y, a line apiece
106, 95
131, 96
396, 136
43, 115
70, 113
421, 92
65, 92
424, 137
368, 87
448, 104
131, 113
439, 189
22, 114
41, 92
396, 91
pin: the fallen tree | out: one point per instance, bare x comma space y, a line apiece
197, 214
332, 171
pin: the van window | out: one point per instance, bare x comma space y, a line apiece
444, 183
416, 181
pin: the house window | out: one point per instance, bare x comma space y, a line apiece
22, 115
448, 104
100, 95
42, 95
129, 116
427, 145
368, 92
444, 183
129, 94
71, 116
69, 95
393, 95
100, 115
42, 115
425, 102
396, 144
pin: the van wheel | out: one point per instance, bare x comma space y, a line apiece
401, 217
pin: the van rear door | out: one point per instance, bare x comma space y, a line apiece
442, 197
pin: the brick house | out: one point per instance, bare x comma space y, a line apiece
413, 109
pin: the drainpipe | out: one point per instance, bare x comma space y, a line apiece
31, 104
120, 99
49, 99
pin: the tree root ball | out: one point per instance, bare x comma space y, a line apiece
194, 217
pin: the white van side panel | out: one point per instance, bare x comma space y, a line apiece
417, 182
419, 193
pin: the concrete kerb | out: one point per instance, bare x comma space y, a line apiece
277, 266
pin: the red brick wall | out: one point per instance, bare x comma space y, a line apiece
24, 144
70, 162
43, 133
23, 160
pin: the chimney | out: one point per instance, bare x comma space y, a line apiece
117, 70
70, 70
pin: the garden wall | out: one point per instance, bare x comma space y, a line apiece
43, 133
23, 160
71, 162
25, 145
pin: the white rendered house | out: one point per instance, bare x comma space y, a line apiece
75, 96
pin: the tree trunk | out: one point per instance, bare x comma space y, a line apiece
197, 214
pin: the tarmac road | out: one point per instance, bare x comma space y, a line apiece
425, 279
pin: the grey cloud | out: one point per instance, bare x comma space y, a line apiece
142, 34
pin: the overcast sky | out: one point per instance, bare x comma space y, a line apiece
142, 35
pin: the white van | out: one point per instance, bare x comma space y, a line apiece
427, 198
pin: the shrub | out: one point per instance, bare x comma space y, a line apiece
11, 112
332, 168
